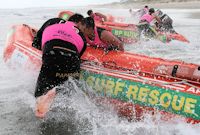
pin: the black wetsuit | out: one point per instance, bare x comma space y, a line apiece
60, 60
166, 24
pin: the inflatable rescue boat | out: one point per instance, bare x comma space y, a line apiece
128, 33
134, 84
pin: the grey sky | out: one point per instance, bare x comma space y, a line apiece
49, 3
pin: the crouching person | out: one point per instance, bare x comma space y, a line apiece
62, 46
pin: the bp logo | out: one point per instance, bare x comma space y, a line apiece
65, 16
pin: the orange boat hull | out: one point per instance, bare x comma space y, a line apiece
134, 84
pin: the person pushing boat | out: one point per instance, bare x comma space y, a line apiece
145, 23
98, 17
62, 46
167, 22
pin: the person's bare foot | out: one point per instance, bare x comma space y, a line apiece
43, 103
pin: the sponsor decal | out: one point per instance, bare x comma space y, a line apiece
194, 90
19, 58
63, 75
125, 33
180, 103
65, 16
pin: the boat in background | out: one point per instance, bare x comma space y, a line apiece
128, 33
133, 84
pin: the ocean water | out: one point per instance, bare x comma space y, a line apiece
76, 114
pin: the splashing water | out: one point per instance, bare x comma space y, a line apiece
77, 113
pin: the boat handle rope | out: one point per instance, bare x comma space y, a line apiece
136, 73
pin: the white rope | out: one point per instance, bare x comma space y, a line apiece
136, 73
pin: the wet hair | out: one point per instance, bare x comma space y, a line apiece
146, 7
89, 22
151, 10
76, 18
89, 12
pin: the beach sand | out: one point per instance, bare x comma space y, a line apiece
161, 5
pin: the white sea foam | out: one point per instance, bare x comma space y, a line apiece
83, 116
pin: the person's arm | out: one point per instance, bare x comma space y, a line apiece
102, 16
157, 19
108, 38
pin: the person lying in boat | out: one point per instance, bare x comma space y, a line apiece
101, 38
98, 17
62, 46
145, 23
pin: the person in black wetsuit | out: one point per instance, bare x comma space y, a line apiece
167, 22
62, 44
57, 62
